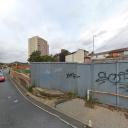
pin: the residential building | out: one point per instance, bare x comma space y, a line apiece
79, 56
113, 54
38, 44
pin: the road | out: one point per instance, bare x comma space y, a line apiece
17, 112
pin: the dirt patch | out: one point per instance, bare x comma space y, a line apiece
51, 97
126, 115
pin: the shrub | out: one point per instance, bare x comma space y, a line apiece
71, 95
91, 102
30, 88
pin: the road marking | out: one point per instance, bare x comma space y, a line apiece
43, 108
9, 97
15, 101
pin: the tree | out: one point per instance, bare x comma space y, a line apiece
60, 57
36, 57
57, 57
47, 58
63, 53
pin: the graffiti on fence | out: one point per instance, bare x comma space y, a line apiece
114, 78
72, 75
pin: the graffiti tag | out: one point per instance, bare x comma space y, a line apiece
113, 77
72, 75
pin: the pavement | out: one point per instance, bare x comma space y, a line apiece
99, 116
17, 112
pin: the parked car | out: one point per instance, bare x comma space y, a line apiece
2, 78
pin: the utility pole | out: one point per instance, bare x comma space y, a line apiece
93, 43
96, 35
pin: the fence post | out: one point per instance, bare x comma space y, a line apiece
88, 95
117, 88
92, 78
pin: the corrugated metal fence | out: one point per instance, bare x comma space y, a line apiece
109, 81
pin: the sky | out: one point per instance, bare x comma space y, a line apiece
69, 24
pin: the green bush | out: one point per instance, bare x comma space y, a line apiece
30, 89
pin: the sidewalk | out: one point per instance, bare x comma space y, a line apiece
101, 117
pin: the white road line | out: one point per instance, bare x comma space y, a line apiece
15, 101
43, 108
9, 97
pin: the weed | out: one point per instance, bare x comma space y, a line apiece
30, 88
71, 95
91, 102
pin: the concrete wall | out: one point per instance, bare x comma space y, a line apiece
78, 56
69, 58
100, 56
109, 79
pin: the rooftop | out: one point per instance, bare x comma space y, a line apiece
115, 50
38, 38
78, 50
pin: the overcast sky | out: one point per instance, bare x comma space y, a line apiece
68, 24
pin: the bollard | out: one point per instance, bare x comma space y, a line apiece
88, 97
90, 124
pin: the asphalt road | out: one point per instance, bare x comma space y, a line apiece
16, 112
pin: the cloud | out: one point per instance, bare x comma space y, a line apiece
64, 24
120, 40
111, 34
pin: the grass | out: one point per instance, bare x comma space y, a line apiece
30, 89
25, 71
71, 95
91, 102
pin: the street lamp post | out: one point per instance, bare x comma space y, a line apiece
93, 43
96, 35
